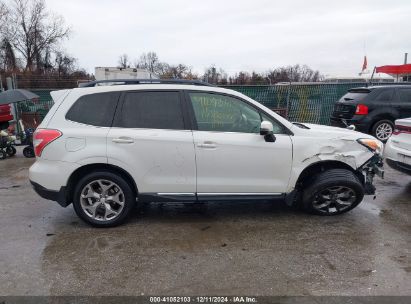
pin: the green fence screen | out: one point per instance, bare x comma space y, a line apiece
311, 103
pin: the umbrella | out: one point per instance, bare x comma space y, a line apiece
12, 96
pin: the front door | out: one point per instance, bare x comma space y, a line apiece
232, 158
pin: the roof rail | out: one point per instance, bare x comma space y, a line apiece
142, 81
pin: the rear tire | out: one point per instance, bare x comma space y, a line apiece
333, 192
3, 154
103, 199
382, 129
11, 151
28, 152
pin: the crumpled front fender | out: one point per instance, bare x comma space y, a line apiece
308, 151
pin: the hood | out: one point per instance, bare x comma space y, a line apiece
330, 132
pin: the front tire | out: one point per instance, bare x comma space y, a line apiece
333, 192
382, 130
103, 199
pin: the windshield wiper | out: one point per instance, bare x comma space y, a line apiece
300, 125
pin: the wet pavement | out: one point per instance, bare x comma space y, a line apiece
209, 249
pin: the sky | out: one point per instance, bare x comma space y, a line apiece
329, 36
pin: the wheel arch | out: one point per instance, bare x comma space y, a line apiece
384, 116
322, 166
81, 171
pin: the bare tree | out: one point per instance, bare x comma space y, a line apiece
214, 75
149, 61
8, 60
296, 73
123, 61
33, 30
64, 64
4, 12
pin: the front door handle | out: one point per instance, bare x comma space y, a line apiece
207, 145
123, 140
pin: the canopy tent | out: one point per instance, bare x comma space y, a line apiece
12, 96
395, 70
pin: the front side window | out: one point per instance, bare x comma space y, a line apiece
152, 110
277, 128
94, 109
221, 113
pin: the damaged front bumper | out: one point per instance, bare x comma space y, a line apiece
374, 166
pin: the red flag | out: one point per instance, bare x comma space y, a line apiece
364, 65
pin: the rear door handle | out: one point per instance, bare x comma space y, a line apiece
123, 140
207, 145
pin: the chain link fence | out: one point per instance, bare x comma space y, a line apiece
310, 103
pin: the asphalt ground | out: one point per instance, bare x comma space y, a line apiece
245, 248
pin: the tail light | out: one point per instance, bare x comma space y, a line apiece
401, 129
43, 137
361, 110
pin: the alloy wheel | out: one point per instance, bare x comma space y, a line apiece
384, 131
102, 200
334, 199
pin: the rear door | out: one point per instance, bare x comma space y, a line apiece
151, 139
403, 102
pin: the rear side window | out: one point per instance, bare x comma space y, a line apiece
385, 95
152, 110
95, 109
405, 95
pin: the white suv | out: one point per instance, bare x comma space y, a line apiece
107, 148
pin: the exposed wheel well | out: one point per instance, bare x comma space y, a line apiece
80, 172
313, 169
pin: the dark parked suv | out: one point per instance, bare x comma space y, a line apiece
374, 109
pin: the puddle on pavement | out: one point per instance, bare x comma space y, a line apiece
165, 243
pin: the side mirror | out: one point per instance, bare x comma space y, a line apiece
266, 129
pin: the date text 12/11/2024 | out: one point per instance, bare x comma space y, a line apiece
203, 299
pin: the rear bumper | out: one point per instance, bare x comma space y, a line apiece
51, 174
50, 178
404, 168
394, 156
52, 195
359, 125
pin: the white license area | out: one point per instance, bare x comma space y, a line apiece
405, 159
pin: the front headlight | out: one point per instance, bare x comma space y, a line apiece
373, 145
